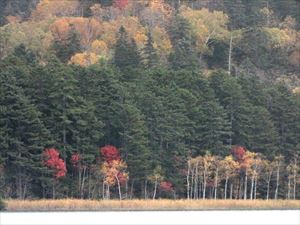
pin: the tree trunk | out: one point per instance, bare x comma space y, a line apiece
252, 186
145, 190
126, 189
225, 188
204, 184
192, 184
131, 189
231, 189
103, 190
155, 187
289, 188
188, 181
119, 187
245, 185
229, 55
82, 183
255, 186
268, 184
53, 189
107, 192
216, 183
277, 181
295, 179
196, 182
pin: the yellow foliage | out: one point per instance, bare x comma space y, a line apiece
206, 25
277, 38
99, 47
112, 171
296, 90
132, 25
84, 59
53, 8
34, 35
88, 29
162, 41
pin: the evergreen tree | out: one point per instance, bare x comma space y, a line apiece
285, 114
65, 49
126, 51
24, 136
150, 57
183, 42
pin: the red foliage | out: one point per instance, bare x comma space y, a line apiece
166, 186
75, 158
122, 177
121, 4
110, 153
52, 160
238, 153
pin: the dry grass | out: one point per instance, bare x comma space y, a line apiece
75, 204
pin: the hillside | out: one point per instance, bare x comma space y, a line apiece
150, 99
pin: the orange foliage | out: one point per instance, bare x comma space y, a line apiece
88, 29
162, 41
132, 25
84, 59
99, 47
53, 8
13, 19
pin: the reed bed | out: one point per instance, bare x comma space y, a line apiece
111, 205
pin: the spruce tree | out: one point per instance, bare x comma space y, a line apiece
183, 42
126, 52
24, 136
150, 57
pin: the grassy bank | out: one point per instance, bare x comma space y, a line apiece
75, 204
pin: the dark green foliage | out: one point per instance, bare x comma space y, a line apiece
150, 57
126, 52
184, 55
24, 134
65, 49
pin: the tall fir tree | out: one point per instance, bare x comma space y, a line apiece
126, 51
150, 57
24, 136
184, 54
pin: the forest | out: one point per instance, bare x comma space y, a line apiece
150, 99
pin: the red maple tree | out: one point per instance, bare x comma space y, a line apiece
52, 161
166, 186
110, 153
75, 159
121, 4
238, 153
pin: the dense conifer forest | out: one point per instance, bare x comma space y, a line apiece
104, 99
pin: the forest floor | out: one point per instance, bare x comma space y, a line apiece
163, 204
